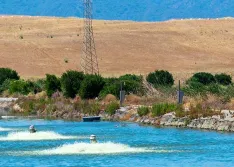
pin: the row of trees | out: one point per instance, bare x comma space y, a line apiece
88, 86
200, 84
73, 83
164, 78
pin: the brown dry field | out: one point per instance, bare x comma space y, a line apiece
180, 46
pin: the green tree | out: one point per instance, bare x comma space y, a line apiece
70, 82
203, 77
52, 84
91, 86
223, 79
7, 73
160, 78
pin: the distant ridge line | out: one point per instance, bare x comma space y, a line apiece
73, 17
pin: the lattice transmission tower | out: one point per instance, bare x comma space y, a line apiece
89, 62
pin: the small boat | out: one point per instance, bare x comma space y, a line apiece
92, 119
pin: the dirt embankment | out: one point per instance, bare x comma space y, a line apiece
35, 46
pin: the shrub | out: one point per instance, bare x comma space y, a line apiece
6, 73
133, 87
88, 107
94, 108
215, 89
157, 110
230, 90
23, 87
167, 92
5, 85
110, 89
198, 89
28, 106
111, 81
52, 84
203, 77
223, 79
131, 77
19, 86
91, 86
143, 111
201, 110
160, 78
132, 84
66, 60
163, 108
180, 111
70, 82
39, 85
42, 103
196, 111
129, 86
112, 107
195, 89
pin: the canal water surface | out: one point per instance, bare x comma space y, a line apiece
61, 143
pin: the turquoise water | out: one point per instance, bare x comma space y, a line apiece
59, 143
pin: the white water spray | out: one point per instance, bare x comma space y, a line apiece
5, 129
97, 148
46, 135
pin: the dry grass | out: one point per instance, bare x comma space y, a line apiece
182, 47
231, 104
132, 99
109, 98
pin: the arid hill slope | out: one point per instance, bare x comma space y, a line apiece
35, 46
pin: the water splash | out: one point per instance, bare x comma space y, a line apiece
46, 135
5, 129
97, 148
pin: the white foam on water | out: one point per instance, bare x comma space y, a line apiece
44, 135
5, 129
97, 148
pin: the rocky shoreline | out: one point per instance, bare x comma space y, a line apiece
5, 105
223, 122
218, 123
129, 113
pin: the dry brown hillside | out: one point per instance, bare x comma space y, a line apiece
182, 46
